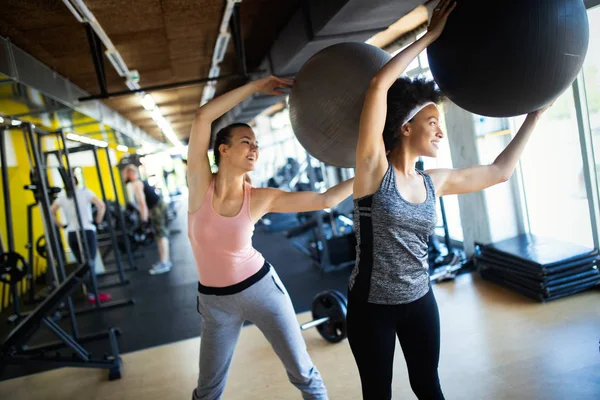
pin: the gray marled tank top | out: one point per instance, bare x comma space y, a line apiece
391, 251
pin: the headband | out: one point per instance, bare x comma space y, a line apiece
415, 111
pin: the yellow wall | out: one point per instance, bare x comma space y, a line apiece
18, 177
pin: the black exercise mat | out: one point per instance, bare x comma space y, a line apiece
537, 269
564, 284
540, 251
532, 293
490, 262
571, 285
569, 269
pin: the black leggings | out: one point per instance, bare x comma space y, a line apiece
372, 330
90, 236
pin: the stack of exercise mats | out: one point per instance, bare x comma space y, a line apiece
538, 267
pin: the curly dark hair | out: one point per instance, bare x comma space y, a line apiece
224, 137
404, 95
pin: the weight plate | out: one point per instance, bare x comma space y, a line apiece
329, 304
40, 247
13, 267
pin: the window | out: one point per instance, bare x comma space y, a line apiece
591, 75
551, 168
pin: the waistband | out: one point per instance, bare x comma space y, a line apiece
238, 287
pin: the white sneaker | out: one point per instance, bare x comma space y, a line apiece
160, 268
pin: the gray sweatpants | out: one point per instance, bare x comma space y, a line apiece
267, 305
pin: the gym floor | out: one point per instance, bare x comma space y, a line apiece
495, 345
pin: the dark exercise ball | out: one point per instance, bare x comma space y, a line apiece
327, 99
511, 57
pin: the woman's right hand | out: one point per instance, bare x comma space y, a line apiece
272, 85
440, 17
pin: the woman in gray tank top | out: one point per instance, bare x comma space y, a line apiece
394, 214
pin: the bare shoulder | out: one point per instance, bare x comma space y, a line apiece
438, 176
262, 195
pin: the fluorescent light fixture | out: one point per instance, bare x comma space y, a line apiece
76, 13
117, 63
156, 115
86, 140
132, 85
214, 71
178, 150
221, 47
122, 148
15, 122
1, 120
148, 102
163, 123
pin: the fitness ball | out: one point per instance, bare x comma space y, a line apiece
327, 98
511, 57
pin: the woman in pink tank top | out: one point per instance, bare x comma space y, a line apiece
235, 283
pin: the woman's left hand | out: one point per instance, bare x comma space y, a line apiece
440, 17
273, 85
538, 113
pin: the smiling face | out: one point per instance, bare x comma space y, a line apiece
423, 133
242, 152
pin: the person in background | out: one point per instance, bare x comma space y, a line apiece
152, 209
85, 198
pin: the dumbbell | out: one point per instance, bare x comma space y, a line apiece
329, 310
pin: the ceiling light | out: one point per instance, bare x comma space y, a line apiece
1, 120
214, 71
132, 85
148, 102
117, 63
15, 122
156, 115
122, 148
221, 47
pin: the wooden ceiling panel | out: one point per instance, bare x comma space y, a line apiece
146, 50
167, 41
184, 17
119, 17
197, 46
36, 14
187, 70
175, 96
156, 76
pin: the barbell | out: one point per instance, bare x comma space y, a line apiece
329, 310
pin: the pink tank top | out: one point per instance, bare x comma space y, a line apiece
222, 246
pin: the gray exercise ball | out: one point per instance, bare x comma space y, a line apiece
327, 99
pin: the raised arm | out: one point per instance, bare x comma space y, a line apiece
479, 177
275, 200
54, 211
371, 162
198, 166
100, 206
